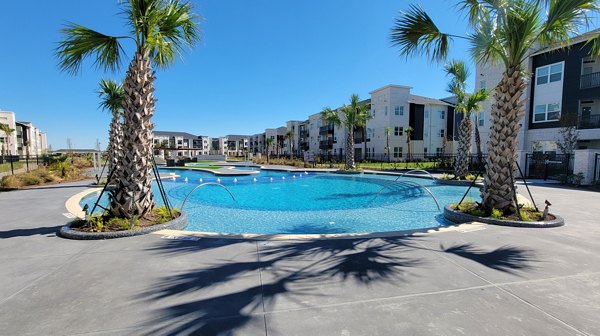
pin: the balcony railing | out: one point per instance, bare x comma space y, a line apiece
326, 144
590, 80
592, 121
326, 130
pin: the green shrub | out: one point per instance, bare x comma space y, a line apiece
497, 214
478, 212
470, 177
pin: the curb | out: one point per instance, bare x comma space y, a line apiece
178, 223
459, 217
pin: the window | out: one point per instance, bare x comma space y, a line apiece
426, 114
482, 85
398, 131
442, 133
549, 112
442, 114
399, 110
550, 73
480, 118
438, 151
386, 110
397, 152
373, 113
425, 150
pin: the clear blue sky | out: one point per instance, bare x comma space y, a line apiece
260, 63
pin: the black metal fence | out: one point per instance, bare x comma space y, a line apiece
401, 161
548, 166
13, 164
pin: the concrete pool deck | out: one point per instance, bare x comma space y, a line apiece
486, 280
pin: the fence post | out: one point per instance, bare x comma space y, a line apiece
12, 168
27, 162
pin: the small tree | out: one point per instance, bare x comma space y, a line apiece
268, 144
567, 134
409, 131
8, 131
290, 137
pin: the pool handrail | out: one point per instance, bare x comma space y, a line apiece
417, 170
417, 185
204, 185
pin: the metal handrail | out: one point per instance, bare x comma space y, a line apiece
203, 185
417, 185
417, 170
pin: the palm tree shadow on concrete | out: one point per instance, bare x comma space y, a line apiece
229, 295
508, 259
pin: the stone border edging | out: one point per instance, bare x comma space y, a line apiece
178, 223
459, 217
464, 183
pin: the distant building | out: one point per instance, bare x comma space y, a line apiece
179, 144
26, 139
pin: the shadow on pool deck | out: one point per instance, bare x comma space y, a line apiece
292, 268
29, 232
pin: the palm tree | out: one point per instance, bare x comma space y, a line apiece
8, 132
409, 131
459, 73
506, 32
112, 94
362, 122
353, 115
473, 105
290, 137
387, 141
160, 29
268, 143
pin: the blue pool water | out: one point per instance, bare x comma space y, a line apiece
284, 202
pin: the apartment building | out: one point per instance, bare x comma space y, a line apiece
564, 88
257, 143
237, 145
26, 139
179, 144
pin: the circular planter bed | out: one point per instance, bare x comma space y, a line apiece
464, 183
178, 223
461, 217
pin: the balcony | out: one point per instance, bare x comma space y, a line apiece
324, 130
587, 122
326, 144
590, 80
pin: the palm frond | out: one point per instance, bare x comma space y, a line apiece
473, 103
414, 32
459, 72
111, 94
80, 42
595, 43
565, 18
331, 116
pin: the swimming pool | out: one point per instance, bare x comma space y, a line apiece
307, 203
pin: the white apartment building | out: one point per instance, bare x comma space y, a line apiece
179, 144
26, 139
257, 143
8, 142
237, 145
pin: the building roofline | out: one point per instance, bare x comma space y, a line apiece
392, 86
572, 41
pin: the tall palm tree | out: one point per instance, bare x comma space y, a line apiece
409, 131
111, 95
268, 143
459, 73
352, 115
388, 130
506, 32
160, 29
364, 117
8, 132
290, 137
473, 105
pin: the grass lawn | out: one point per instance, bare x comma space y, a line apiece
212, 167
384, 165
205, 161
5, 167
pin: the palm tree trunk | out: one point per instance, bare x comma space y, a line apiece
350, 149
115, 144
133, 195
461, 166
364, 134
478, 146
507, 111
